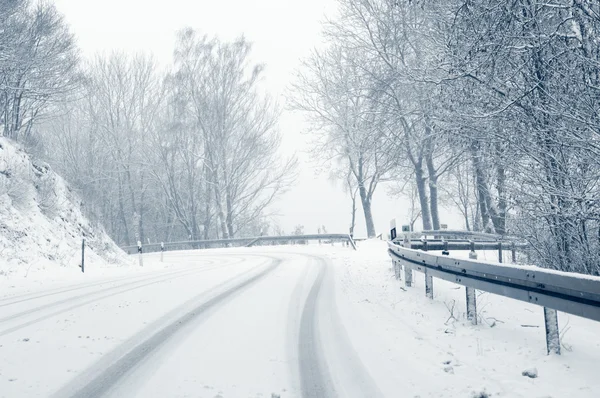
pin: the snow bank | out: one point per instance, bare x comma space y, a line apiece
438, 352
41, 220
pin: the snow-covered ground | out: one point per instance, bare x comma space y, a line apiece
293, 321
42, 221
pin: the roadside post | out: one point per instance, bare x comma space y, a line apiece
471, 296
445, 252
407, 243
140, 253
83, 255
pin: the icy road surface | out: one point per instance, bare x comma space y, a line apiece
316, 321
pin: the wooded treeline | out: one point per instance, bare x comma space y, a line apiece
491, 105
186, 153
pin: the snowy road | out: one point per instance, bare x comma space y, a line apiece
293, 322
227, 324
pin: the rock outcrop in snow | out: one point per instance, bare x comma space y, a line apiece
41, 219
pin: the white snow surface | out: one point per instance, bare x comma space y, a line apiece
183, 328
42, 223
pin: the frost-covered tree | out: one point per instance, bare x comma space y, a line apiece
191, 154
38, 64
341, 103
493, 103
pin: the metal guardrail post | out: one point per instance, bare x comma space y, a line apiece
470, 292
399, 266
397, 269
428, 277
471, 305
428, 285
407, 276
445, 252
407, 270
472, 253
552, 332
554, 292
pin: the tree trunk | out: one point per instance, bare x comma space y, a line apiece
206, 223
482, 189
353, 221
365, 199
423, 199
141, 210
477, 220
122, 213
207, 215
229, 216
491, 206
501, 188
136, 222
433, 192
219, 207
467, 225
366, 204
432, 173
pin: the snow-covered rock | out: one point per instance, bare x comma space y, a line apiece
41, 220
531, 373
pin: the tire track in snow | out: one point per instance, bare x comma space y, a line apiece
295, 308
314, 378
20, 298
329, 365
110, 292
98, 291
105, 376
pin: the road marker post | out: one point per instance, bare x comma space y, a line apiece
393, 229
140, 253
82, 255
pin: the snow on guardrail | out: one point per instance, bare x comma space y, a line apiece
568, 292
211, 243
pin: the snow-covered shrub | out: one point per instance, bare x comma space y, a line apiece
46, 196
14, 181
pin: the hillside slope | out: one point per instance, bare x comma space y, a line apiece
41, 219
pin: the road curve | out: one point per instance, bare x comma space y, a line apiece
266, 325
108, 377
54, 308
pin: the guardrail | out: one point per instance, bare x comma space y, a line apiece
568, 292
446, 240
304, 238
466, 234
237, 242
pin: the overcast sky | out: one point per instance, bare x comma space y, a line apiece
283, 32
